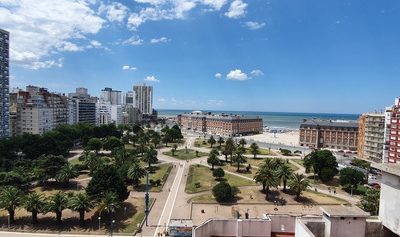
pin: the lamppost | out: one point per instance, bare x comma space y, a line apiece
8, 217
99, 218
146, 198
112, 226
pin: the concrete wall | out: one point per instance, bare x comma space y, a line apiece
389, 202
234, 228
302, 230
373, 228
283, 223
346, 227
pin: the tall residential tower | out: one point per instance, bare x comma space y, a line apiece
4, 84
144, 98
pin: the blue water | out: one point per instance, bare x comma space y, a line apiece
283, 120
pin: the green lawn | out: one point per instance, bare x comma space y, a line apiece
182, 155
298, 161
199, 142
261, 151
75, 162
161, 172
130, 225
202, 177
259, 162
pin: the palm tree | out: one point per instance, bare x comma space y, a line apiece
213, 158
150, 157
284, 174
35, 203
220, 141
174, 147
239, 159
66, 173
267, 178
81, 203
299, 183
91, 160
254, 149
230, 147
242, 142
10, 199
109, 203
57, 203
156, 139
136, 172
212, 141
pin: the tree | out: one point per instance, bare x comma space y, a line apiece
284, 174
92, 161
174, 147
10, 199
81, 203
266, 176
230, 147
66, 173
57, 203
370, 201
213, 158
324, 164
242, 142
49, 165
220, 141
254, 149
211, 141
94, 144
223, 192
150, 157
350, 177
166, 139
106, 178
112, 143
175, 133
156, 139
109, 203
35, 203
135, 173
299, 183
218, 173
285, 152
239, 159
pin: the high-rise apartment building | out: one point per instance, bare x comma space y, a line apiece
144, 98
371, 129
84, 106
129, 98
4, 84
36, 111
392, 133
110, 95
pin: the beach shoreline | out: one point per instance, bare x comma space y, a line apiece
290, 138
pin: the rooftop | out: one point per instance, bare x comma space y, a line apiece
388, 168
343, 211
329, 123
181, 223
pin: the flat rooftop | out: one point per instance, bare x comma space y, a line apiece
329, 123
181, 223
388, 168
343, 211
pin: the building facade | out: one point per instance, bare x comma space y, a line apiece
371, 129
144, 98
329, 134
83, 107
4, 84
129, 98
36, 111
392, 133
222, 125
110, 95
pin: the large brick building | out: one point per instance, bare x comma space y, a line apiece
329, 134
392, 133
223, 125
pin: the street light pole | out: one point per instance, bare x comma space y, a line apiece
8, 217
99, 218
146, 197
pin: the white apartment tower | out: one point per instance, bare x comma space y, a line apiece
144, 98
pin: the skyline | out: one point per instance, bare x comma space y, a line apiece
212, 55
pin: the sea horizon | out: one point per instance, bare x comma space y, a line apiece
274, 120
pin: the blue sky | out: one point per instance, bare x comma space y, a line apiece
257, 55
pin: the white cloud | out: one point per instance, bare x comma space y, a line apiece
237, 74
216, 5
151, 78
134, 40
114, 12
237, 9
218, 75
152, 2
256, 73
94, 44
40, 29
127, 67
159, 40
252, 25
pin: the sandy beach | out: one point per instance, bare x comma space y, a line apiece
288, 138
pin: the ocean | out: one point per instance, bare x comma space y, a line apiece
274, 120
